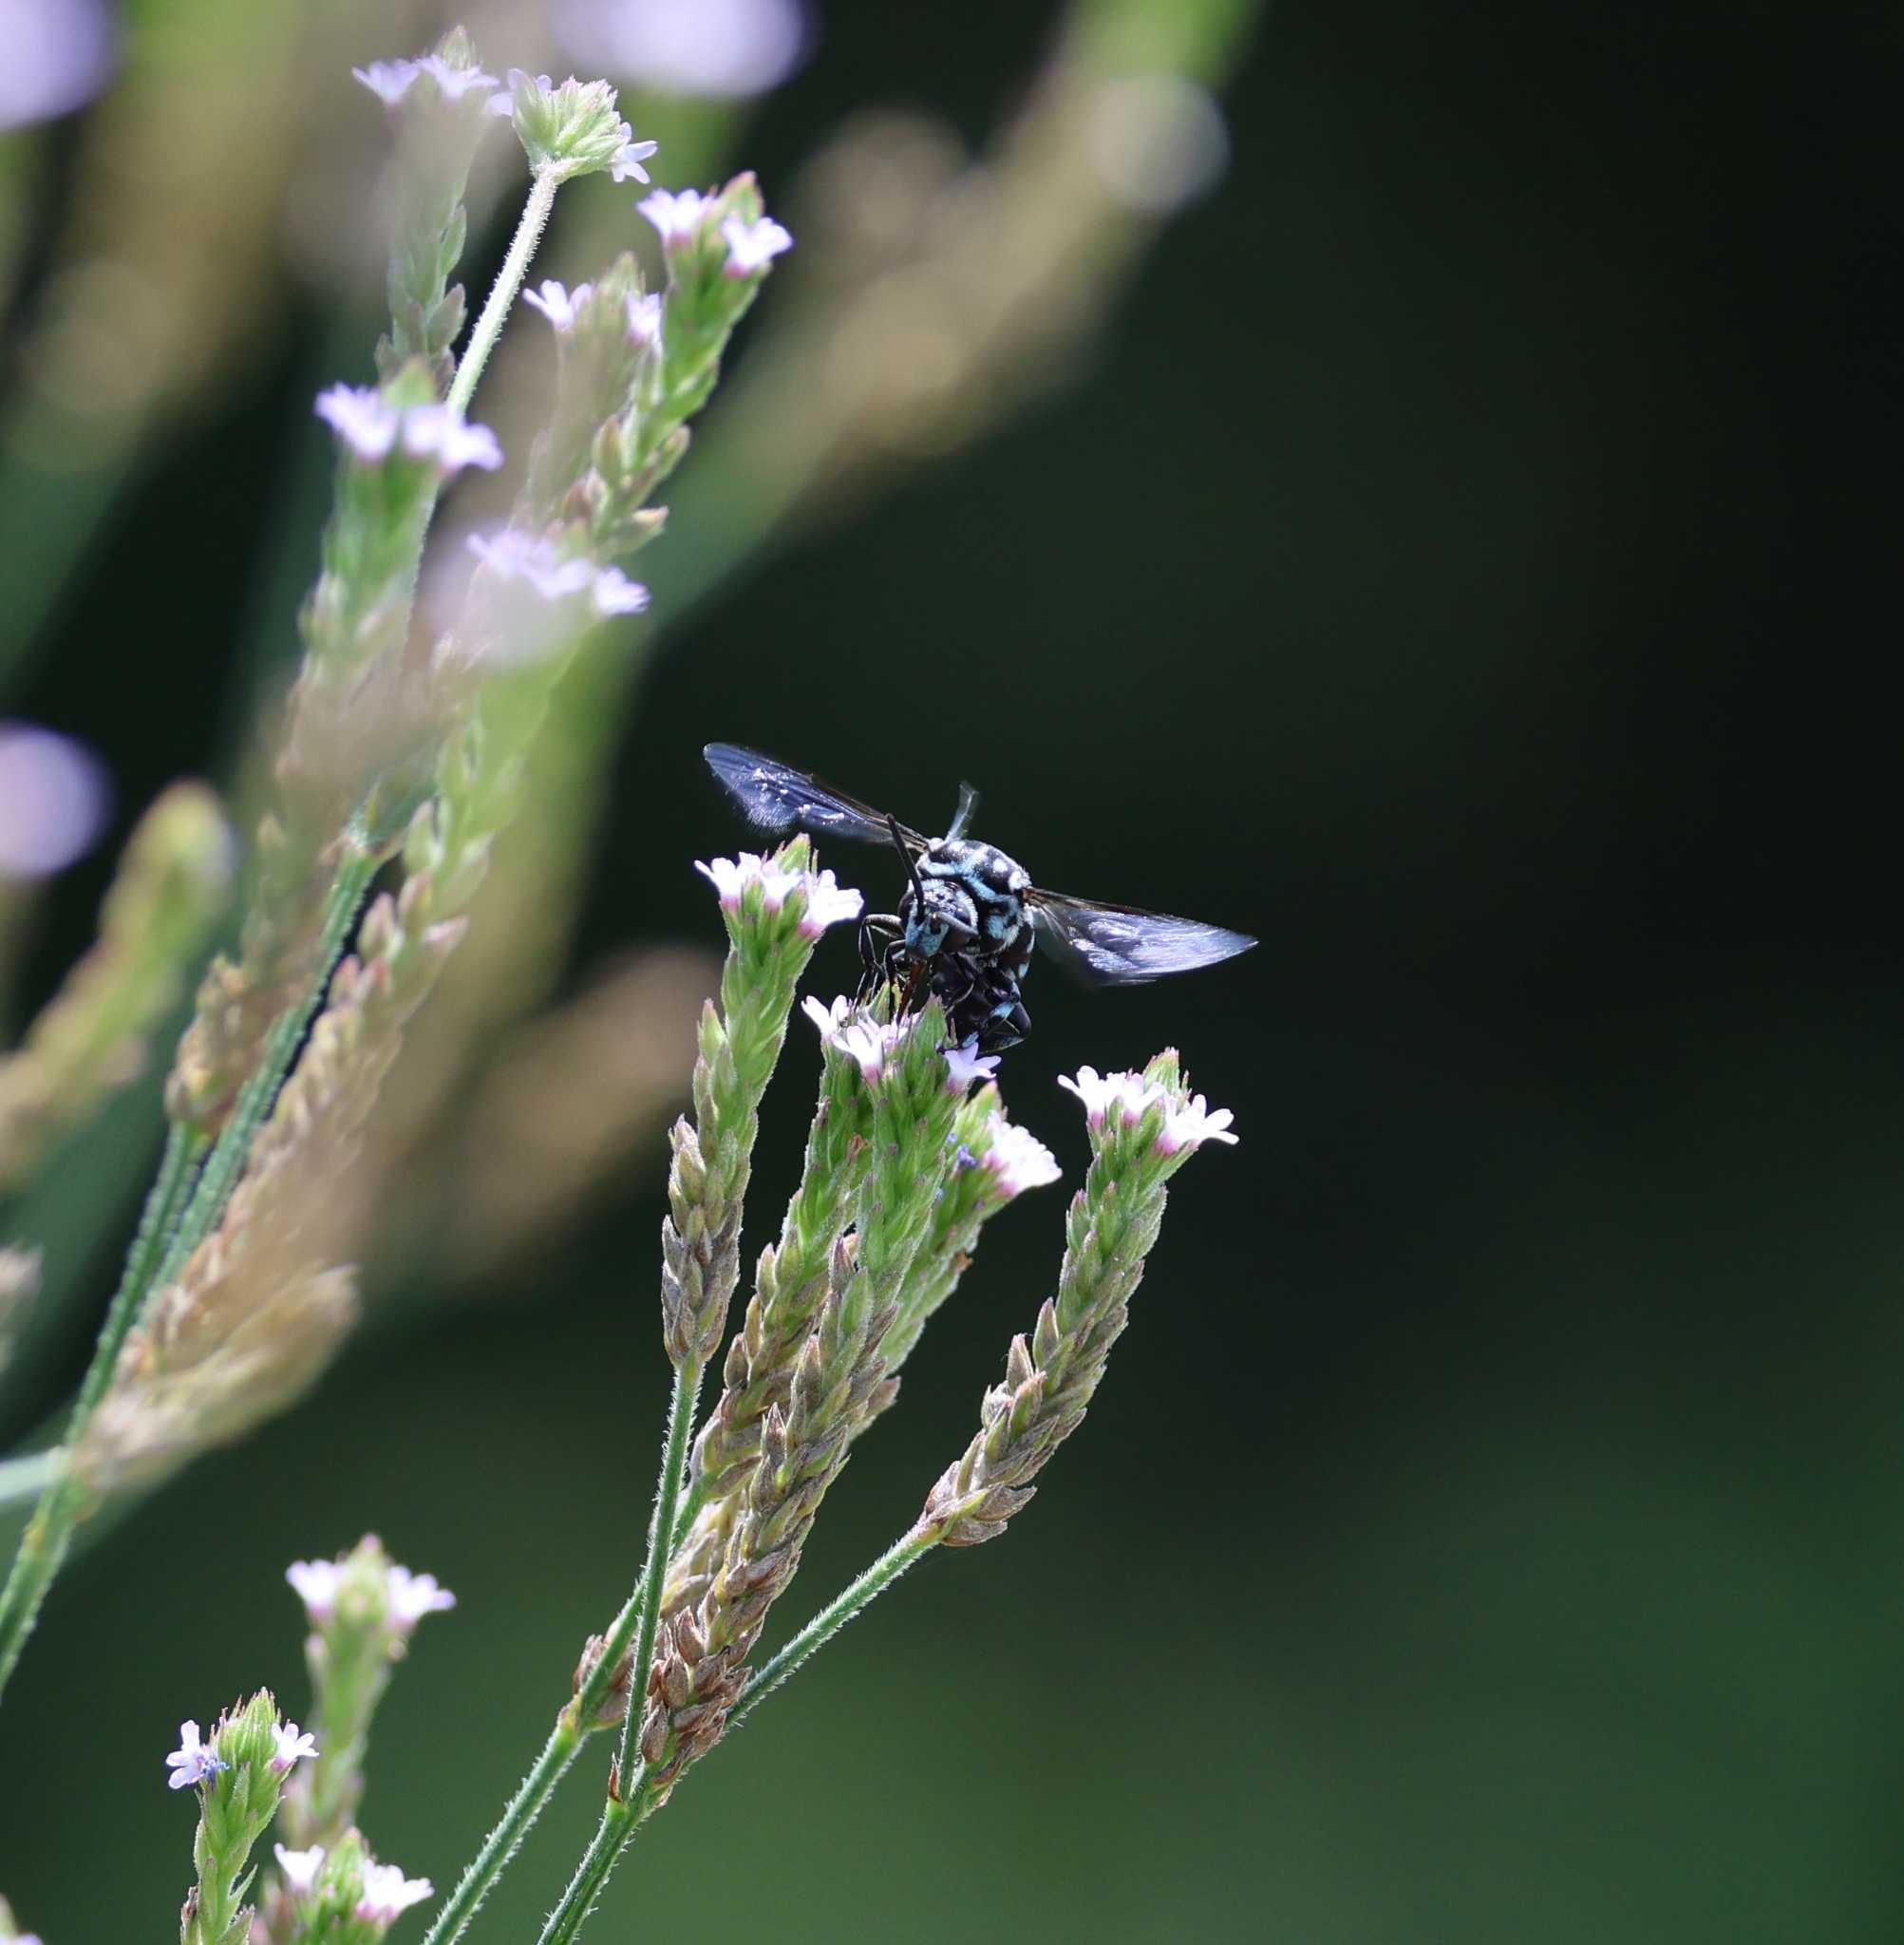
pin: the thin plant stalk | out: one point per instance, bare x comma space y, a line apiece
638, 1620
502, 291
904, 1553
179, 1212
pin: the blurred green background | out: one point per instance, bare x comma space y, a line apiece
1452, 561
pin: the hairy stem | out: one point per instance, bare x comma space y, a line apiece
166, 1236
502, 291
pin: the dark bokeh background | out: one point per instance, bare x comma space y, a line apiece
1460, 567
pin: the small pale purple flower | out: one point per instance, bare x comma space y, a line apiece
614, 593
412, 1596
629, 159
644, 319
300, 1868
1130, 1094
676, 215
436, 432
391, 81
827, 903
192, 1762
1018, 1160
1192, 1124
316, 1584
370, 426
558, 304
752, 246
291, 1743
360, 418
515, 556
387, 1894
965, 1065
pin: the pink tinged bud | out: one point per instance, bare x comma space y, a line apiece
291, 1743
675, 217
827, 903
299, 1867
412, 1596
387, 1894
315, 1582
1191, 1124
752, 246
192, 1762
965, 1065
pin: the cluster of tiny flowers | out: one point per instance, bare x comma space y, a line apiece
1017, 1160
1186, 1124
407, 1598
629, 155
859, 1037
515, 555
192, 1762
391, 81
370, 428
965, 1065
827, 902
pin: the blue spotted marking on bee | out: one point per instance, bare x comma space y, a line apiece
970, 916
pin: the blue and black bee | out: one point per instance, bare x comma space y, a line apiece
970, 916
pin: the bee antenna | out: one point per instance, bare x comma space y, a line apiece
906, 857
968, 804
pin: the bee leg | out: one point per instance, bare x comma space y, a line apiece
1006, 1027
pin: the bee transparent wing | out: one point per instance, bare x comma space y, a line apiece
777, 797
1121, 945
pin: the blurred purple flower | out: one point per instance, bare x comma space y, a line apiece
54, 800
676, 215
54, 55
710, 47
752, 246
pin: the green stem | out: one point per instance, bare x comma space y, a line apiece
623, 1816
43, 1546
579, 1720
159, 1251
355, 870
559, 1752
621, 1819
27, 1477
902, 1555
660, 1547
502, 291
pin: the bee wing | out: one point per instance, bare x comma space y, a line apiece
1124, 945
777, 797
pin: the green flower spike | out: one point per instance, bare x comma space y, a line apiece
240, 1773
